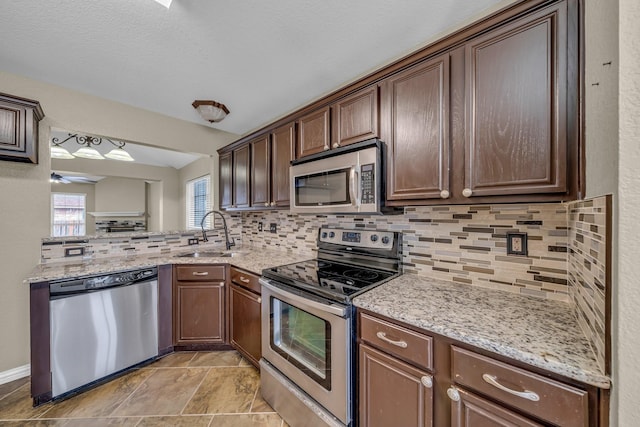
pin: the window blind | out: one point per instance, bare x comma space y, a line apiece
198, 202
68, 216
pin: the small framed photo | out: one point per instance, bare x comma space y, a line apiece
517, 244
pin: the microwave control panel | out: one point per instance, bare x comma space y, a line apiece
367, 184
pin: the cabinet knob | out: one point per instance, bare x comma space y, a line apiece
266, 204
453, 394
336, 145
273, 203
427, 381
444, 194
326, 146
467, 192
259, 300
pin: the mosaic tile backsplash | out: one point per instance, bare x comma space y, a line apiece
105, 245
587, 270
465, 244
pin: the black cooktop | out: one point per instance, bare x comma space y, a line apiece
327, 278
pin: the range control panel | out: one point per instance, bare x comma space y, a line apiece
358, 238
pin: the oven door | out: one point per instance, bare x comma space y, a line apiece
309, 342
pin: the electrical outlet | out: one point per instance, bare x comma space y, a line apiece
273, 227
260, 226
517, 244
193, 241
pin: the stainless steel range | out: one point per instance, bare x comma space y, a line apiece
308, 325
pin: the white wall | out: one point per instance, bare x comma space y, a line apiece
25, 194
120, 194
626, 343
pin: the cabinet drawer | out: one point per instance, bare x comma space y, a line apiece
396, 340
542, 397
200, 273
244, 279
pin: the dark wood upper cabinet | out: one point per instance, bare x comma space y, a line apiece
314, 132
19, 119
415, 126
241, 172
355, 117
225, 164
260, 172
516, 82
283, 144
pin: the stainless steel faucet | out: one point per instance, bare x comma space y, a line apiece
228, 243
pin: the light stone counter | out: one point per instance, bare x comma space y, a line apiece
247, 258
541, 333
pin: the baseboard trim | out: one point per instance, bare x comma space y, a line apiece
15, 374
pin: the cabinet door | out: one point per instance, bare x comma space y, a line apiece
313, 133
19, 119
245, 322
200, 313
415, 126
516, 79
226, 180
472, 411
260, 172
355, 118
241, 177
393, 393
283, 151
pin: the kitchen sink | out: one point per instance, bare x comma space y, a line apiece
206, 254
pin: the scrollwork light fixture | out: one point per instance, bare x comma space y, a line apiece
86, 150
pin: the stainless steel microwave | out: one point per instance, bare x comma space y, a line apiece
349, 179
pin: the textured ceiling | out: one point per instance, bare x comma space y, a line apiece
260, 58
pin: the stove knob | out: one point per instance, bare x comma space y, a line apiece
374, 237
332, 234
385, 240
324, 234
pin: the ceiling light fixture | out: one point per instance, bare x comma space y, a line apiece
87, 151
165, 3
58, 179
211, 111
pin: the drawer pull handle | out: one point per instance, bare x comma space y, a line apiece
427, 381
244, 279
524, 394
200, 273
383, 337
453, 394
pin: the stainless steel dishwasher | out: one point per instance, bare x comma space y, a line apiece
101, 325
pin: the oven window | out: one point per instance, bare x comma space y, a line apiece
325, 188
303, 340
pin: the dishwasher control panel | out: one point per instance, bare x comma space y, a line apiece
92, 283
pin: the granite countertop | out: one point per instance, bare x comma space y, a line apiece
538, 332
247, 258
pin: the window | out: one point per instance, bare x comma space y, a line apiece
68, 214
198, 201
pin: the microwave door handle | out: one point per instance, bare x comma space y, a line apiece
353, 192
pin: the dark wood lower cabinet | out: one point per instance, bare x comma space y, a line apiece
392, 392
199, 305
473, 411
245, 321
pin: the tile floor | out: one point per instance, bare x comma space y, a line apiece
208, 389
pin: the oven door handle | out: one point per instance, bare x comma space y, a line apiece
334, 309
